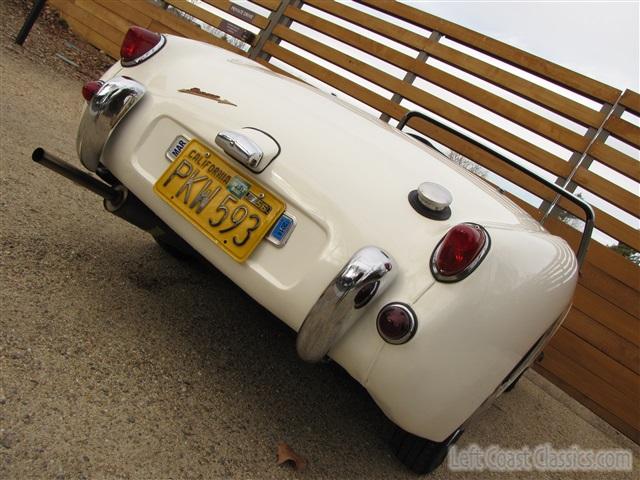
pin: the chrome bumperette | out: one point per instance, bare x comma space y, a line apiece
103, 113
241, 148
335, 311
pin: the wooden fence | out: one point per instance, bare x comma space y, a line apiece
390, 58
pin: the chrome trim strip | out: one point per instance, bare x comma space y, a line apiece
101, 116
241, 148
334, 312
470, 268
150, 53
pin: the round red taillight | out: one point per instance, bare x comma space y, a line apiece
459, 252
396, 323
89, 89
138, 45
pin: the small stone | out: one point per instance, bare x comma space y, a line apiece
7, 440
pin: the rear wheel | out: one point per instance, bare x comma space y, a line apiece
420, 455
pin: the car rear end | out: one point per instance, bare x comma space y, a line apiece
431, 315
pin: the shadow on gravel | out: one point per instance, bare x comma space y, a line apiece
245, 354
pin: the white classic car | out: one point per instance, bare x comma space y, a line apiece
430, 287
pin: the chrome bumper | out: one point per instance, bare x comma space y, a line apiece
337, 309
103, 113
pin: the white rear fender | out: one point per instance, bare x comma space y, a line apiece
471, 334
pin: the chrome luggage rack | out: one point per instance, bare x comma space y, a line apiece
586, 208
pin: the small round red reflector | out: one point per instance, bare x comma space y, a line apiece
396, 323
89, 89
137, 43
458, 250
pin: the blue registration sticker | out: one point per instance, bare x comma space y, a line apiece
282, 229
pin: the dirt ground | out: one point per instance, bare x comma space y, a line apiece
118, 361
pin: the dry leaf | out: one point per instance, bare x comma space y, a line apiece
286, 454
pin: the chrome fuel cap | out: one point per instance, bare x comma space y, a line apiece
431, 200
434, 197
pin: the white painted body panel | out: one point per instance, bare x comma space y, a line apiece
345, 176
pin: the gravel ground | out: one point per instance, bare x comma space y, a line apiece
117, 361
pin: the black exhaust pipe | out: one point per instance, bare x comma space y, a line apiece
117, 200
74, 174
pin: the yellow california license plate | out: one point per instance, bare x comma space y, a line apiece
233, 211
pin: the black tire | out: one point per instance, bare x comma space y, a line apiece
420, 455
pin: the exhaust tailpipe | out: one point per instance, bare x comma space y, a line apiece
118, 200
74, 174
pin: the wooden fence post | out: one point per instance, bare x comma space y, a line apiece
581, 159
276, 18
410, 76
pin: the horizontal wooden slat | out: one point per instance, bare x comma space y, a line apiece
607, 223
104, 14
499, 77
268, 4
93, 37
346, 86
602, 283
181, 26
608, 314
600, 256
555, 73
604, 339
121, 8
211, 19
69, 13
615, 374
592, 385
608, 190
113, 35
464, 89
232, 9
616, 422
604, 221
623, 130
197, 12
631, 100
156, 26
616, 160
279, 70
431, 102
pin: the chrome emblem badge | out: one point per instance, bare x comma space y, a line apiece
176, 147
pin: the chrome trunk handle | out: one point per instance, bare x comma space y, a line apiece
241, 148
367, 274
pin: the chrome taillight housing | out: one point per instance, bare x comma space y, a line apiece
140, 44
460, 252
